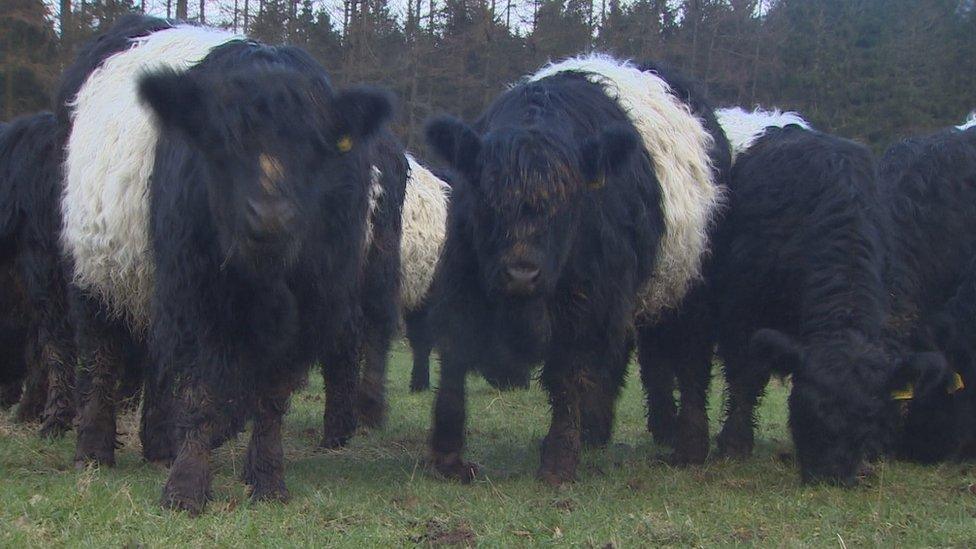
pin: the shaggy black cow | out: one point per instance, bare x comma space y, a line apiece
584, 196
798, 289
36, 336
929, 191
216, 207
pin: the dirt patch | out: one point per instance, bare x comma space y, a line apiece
439, 534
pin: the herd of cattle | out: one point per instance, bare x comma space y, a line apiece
203, 218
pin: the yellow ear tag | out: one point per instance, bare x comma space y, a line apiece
957, 384
596, 184
908, 392
344, 144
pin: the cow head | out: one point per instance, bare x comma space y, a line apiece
528, 185
841, 396
274, 142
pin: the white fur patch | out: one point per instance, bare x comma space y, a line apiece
424, 227
375, 192
678, 144
109, 160
969, 123
743, 127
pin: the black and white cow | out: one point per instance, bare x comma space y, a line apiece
585, 197
929, 191
215, 206
424, 225
36, 336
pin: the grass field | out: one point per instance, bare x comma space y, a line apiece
378, 491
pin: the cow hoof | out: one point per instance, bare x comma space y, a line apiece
54, 428
192, 504
452, 467
371, 413
334, 442
274, 492
734, 448
688, 455
100, 459
419, 387
555, 478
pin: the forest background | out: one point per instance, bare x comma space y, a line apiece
872, 70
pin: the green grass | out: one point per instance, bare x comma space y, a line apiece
378, 491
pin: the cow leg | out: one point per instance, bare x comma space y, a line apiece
188, 485
691, 445
657, 376
341, 372
264, 466
598, 400
746, 385
58, 357
10, 393
421, 343
156, 423
565, 381
100, 345
371, 406
447, 438
34, 395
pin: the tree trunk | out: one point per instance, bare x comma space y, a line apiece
203, 15
66, 30
247, 21
181, 10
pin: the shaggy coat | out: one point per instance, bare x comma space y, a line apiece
36, 335
381, 293
585, 195
929, 191
221, 217
797, 286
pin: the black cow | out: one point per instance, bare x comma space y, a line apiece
797, 286
36, 336
240, 258
554, 231
929, 191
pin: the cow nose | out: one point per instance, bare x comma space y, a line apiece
522, 274
269, 215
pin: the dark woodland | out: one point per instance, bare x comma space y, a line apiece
871, 70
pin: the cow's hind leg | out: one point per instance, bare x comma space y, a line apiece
100, 345
421, 344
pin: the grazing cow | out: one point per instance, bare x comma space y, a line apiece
585, 195
216, 205
929, 190
35, 333
797, 284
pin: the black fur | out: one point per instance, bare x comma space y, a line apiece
678, 344
929, 190
797, 280
258, 207
37, 335
553, 228
381, 293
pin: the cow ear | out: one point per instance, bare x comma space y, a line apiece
776, 349
176, 98
607, 154
926, 373
362, 112
456, 143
